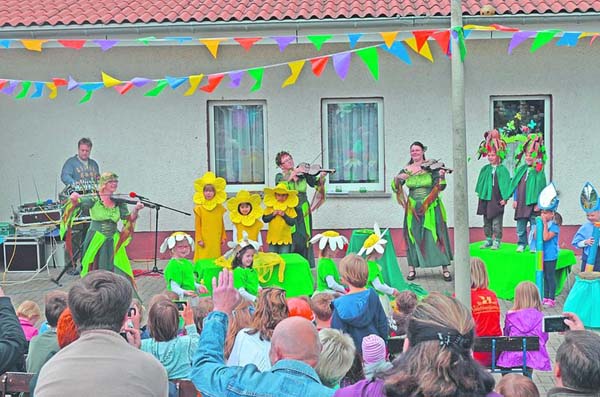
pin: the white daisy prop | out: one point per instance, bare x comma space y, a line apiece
332, 238
235, 247
170, 241
375, 242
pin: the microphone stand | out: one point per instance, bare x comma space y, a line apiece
156, 206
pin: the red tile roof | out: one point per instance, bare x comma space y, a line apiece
79, 12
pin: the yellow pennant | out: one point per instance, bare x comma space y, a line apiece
478, 27
110, 81
388, 38
53, 90
33, 45
194, 83
587, 34
212, 45
425, 51
295, 69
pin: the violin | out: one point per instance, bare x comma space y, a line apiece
433, 165
312, 169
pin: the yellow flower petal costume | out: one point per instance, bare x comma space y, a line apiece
280, 233
250, 223
210, 228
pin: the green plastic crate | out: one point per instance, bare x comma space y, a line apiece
6, 229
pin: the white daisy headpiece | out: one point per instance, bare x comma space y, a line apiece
375, 242
170, 241
236, 247
332, 238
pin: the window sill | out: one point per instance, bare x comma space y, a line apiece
355, 194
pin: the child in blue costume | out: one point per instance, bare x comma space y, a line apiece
583, 239
328, 277
179, 273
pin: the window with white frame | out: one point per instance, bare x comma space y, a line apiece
353, 144
238, 142
517, 116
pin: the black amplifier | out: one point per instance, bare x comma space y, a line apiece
47, 213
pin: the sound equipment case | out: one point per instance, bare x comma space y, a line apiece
24, 253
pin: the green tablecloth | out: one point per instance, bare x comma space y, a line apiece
506, 268
390, 269
297, 281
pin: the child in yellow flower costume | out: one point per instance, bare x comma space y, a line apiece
210, 229
245, 213
280, 214
328, 277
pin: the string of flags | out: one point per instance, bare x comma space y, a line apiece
418, 42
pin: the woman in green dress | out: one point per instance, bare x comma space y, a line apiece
425, 229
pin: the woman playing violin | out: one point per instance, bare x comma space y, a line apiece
299, 180
425, 230
104, 245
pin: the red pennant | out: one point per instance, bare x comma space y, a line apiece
318, 65
593, 38
60, 82
3, 83
247, 42
421, 37
213, 82
443, 39
74, 44
122, 89
503, 28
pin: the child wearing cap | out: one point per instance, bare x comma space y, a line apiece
374, 356
328, 277
179, 273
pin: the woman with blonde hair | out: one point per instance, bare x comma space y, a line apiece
252, 345
437, 358
484, 307
525, 319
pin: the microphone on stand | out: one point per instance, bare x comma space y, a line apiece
134, 195
118, 200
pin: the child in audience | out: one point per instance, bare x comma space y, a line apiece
517, 385
484, 307
406, 301
241, 317
245, 278
210, 229
583, 239
321, 307
205, 306
328, 277
359, 312
280, 214
300, 307
525, 319
374, 356
29, 313
179, 273
245, 213
551, 228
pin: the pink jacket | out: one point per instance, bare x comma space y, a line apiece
29, 329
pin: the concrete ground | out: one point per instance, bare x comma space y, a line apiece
29, 286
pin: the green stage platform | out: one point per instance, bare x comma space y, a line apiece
297, 281
507, 268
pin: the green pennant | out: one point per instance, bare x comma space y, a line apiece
160, 86
87, 96
146, 40
462, 46
319, 40
25, 88
371, 59
543, 38
257, 74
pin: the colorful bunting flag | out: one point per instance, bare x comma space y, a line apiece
24, 90
318, 65
194, 83
341, 64
257, 74
247, 42
236, 78
212, 45
74, 44
399, 51
371, 59
353, 38
110, 81
543, 38
213, 82
388, 38
425, 51
124, 88
283, 41
72, 84
106, 45
39, 90
5, 43
3, 83
59, 82
53, 90
443, 39
569, 39
160, 86
140, 81
10, 88
295, 69
146, 40
33, 45
319, 40
421, 37
458, 34
86, 97
175, 82
180, 40
518, 38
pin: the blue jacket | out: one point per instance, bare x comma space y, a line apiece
287, 378
74, 171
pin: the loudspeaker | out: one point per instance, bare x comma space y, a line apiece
24, 253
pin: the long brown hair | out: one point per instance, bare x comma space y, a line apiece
163, 321
271, 309
240, 318
479, 276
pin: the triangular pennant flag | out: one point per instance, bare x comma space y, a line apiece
593, 38
236, 78
518, 38
123, 89
247, 42
146, 40
319, 40
140, 81
72, 84
353, 38
160, 86
478, 27
213, 82
543, 38
33, 45
106, 45
24, 89
569, 39
59, 82
212, 45
425, 50
421, 37
3, 83
74, 44
257, 74
318, 65
399, 51
175, 82
295, 69
53, 90
466, 32
39, 90
388, 38
458, 34
341, 64
283, 41
371, 59
443, 39
86, 97
5, 43
503, 28
11, 87
110, 81
91, 86
180, 40
194, 83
